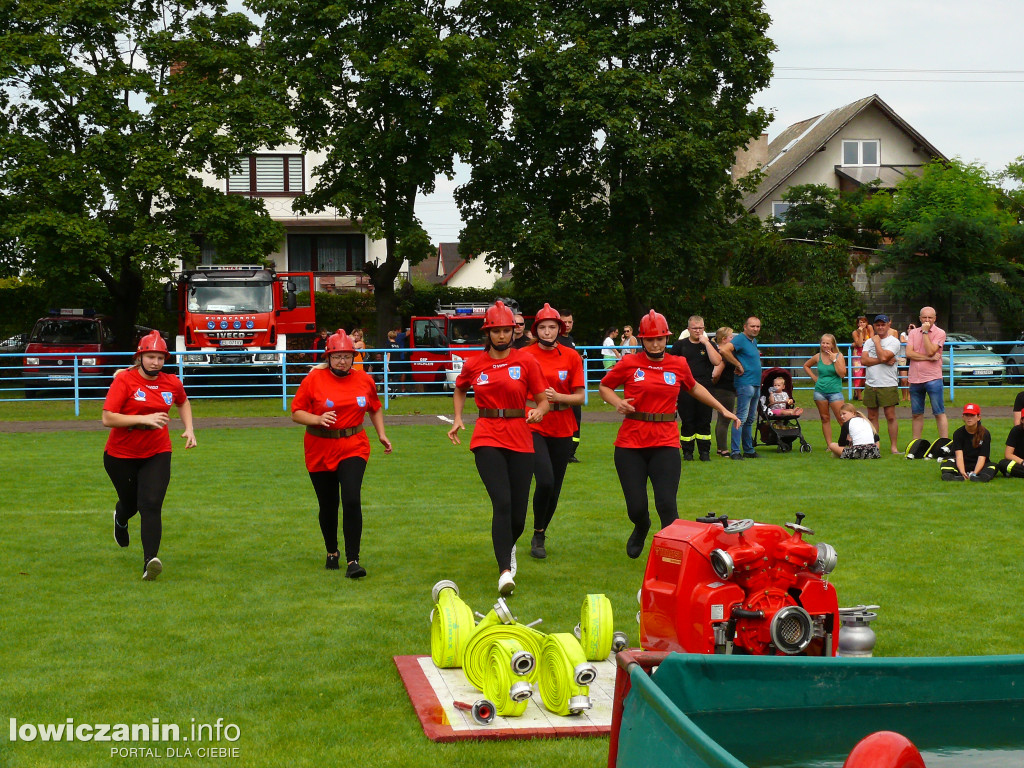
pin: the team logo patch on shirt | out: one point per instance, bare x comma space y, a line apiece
482, 378
140, 395
361, 401
168, 397
563, 375
638, 374
329, 403
670, 378
514, 371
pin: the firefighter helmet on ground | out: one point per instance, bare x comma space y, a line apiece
339, 342
499, 316
547, 313
653, 325
153, 342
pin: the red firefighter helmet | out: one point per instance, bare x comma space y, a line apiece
653, 325
153, 342
339, 342
547, 313
499, 316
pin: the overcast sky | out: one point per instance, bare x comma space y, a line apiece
955, 74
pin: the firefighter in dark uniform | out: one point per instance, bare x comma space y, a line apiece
701, 354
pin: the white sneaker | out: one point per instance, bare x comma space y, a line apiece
153, 569
505, 584
514, 569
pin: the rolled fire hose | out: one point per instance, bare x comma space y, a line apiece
451, 625
565, 675
505, 680
596, 627
477, 651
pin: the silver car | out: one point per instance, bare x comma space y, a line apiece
973, 362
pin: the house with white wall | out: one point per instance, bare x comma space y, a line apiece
449, 267
843, 149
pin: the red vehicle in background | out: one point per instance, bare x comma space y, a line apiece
232, 317
440, 344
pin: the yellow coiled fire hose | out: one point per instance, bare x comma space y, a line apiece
565, 675
596, 627
451, 625
478, 648
503, 684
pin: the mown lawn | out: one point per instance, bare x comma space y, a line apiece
246, 624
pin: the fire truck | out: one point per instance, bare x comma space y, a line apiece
231, 317
457, 330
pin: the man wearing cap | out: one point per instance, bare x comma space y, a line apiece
924, 353
881, 377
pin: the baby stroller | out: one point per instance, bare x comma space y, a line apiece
779, 431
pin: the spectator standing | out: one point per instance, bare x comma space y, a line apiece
826, 368
724, 392
360, 347
566, 339
318, 344
860, 334
391, 371
519, 337
881, 378
647, 444
743, 355
629, 342
610, 355
924, 353
971, 446
702, 356
401, 358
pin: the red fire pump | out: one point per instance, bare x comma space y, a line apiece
721, 586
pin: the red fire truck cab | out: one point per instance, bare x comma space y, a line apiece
232, 317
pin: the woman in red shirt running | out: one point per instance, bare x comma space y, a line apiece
137, 456
331, 402
647, 445
552, 438
502, 379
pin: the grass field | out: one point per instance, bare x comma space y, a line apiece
245, 623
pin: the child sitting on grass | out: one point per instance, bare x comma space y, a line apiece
857, 440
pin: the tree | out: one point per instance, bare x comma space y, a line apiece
612, 169
392, 91
947, 226
109, 111
820, 212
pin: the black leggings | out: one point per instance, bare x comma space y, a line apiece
662, 466
345, 484
141, 485
551, 457
506, 475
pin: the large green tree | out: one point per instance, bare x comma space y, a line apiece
612, 168
391, 92
948, 228
109, 112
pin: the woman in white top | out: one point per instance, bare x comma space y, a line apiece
857, 439
609, 353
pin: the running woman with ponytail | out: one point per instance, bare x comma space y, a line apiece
647, 445
331, 403
552, 438
137, 456
502, 379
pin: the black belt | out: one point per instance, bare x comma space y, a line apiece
142, 426
642, 416
560, 406
502, 413
333, 433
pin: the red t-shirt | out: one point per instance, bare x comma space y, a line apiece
502, 384
350, 397
133, 395
562, 368
654, 387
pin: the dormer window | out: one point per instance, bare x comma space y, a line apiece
861, 152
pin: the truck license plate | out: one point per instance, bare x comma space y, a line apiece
231, 342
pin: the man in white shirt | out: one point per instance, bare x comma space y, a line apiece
609, 351
881, 377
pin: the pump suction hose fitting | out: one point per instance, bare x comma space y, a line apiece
482, 710
596, 627
451, 624
478, 648
509, 691
620, 642
562, 663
